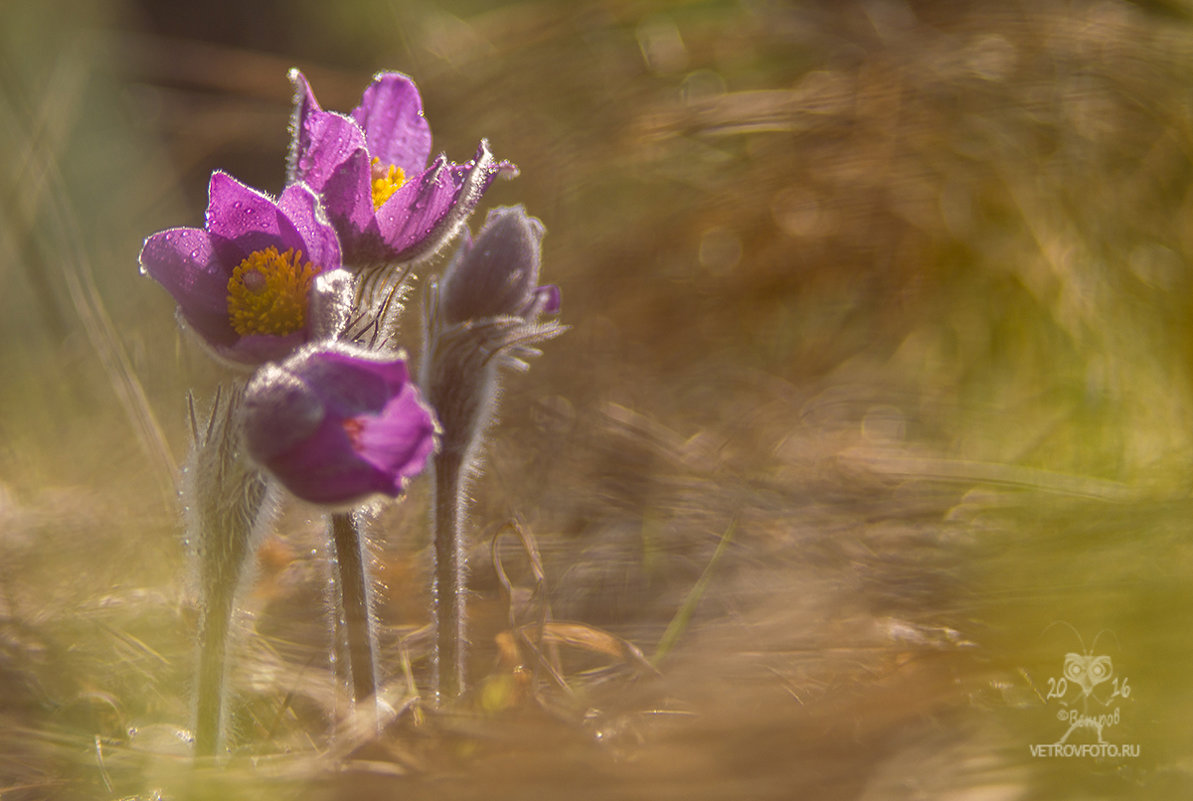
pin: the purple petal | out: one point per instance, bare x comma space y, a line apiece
289, 431
242, 220
400, 439
319, 243
327, 141
412, 213
324, 468
350, 385
257, 349
426, 212
547, 299
391, 114
300, 136
280, 411
348, 198
293, 425
184, 262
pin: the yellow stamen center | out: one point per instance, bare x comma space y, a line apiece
267, 293
387, 179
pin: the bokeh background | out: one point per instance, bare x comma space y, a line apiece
875, 404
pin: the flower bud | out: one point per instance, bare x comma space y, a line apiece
335, 423
497, 275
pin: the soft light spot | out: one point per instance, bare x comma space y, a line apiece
662, 46
499, 692
267, 293
720, 250
387, 179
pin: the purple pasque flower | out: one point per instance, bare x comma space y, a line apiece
370, 169
245, 281
484, 316
497, 275
336, 423
488, 312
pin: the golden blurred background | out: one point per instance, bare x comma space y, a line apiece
876, 401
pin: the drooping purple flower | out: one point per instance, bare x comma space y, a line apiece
335, 424
245, 281
370, 168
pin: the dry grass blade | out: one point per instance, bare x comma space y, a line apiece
510, 650
593, 640
683, 617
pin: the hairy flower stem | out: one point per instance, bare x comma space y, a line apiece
228, 509
482, 318
210, 697
353, 580
450, 589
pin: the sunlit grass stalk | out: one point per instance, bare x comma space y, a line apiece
355, 596
683, 616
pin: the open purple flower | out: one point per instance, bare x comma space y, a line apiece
244, 283
335, 423
370, 168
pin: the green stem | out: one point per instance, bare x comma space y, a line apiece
210, 692
450, 582
227, 505
355, 597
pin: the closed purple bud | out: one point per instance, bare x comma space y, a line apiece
335, 423
482, 318
497, 275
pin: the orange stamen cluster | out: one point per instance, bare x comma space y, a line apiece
387, 179
268, 292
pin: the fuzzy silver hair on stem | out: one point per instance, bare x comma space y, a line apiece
482, 317
354, 603
378, 303
338, 425
228, 508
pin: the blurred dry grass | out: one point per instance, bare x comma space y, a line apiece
897, 292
